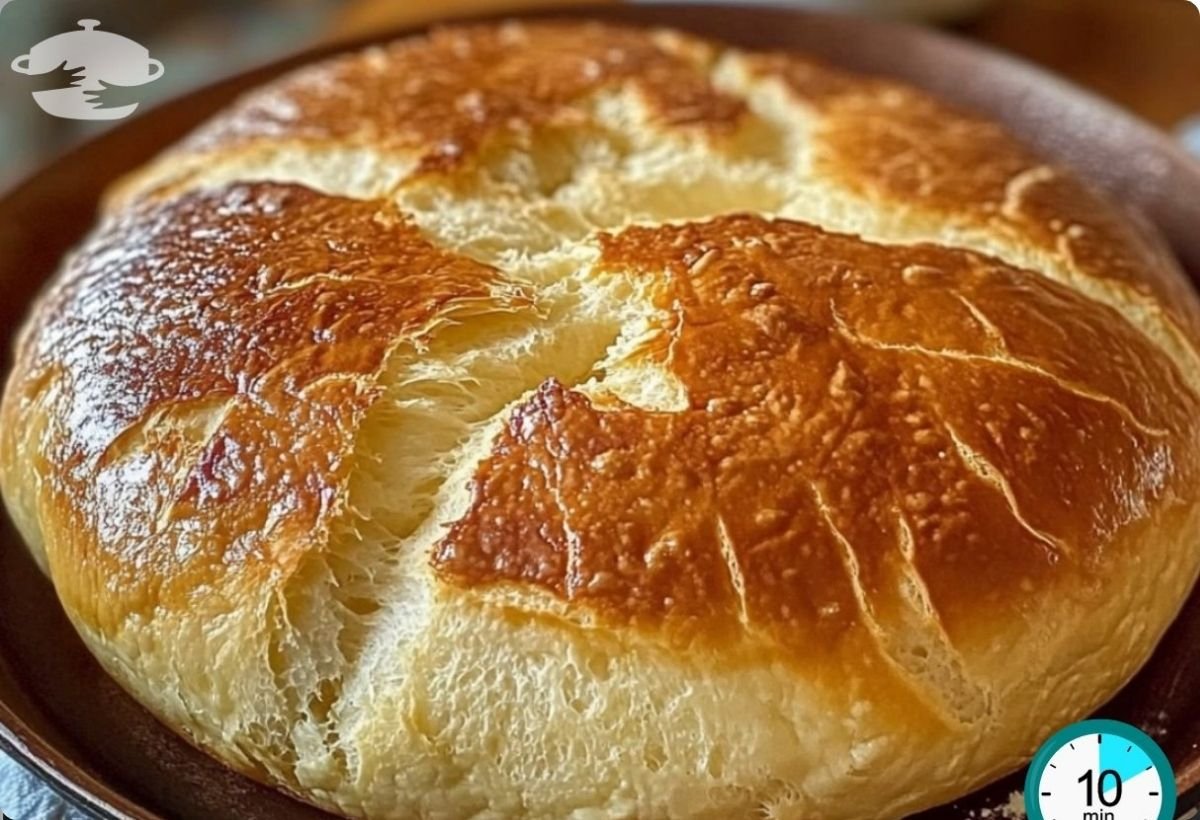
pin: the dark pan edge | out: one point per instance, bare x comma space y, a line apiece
71, 788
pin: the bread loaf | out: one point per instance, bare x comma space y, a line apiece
564, 420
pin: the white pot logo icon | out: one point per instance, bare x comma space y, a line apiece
99, 60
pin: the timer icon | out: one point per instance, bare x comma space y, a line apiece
1100, 770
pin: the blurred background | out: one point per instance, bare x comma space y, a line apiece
1144, 54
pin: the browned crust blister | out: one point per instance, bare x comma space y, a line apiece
911, 404
212, 358
443, 96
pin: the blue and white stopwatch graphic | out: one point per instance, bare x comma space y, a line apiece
1100, 770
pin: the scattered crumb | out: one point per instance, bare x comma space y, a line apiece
1158, 726
1012, 809
1015, 807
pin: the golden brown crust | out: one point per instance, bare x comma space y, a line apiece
212, 357
443, 96
437, 101
914, 405
897, 146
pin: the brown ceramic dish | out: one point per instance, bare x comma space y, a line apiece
64, 718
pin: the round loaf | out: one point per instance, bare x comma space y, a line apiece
564, 420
